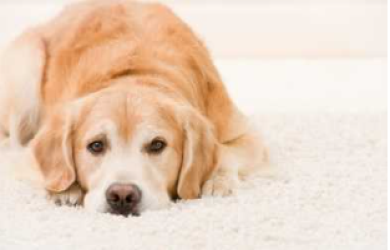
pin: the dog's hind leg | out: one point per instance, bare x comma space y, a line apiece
21, 73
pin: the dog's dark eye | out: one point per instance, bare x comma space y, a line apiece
96, 147
156, 146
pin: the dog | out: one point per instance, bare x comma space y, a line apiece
123, 110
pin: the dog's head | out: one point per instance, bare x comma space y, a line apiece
129, 150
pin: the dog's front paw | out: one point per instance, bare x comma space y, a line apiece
70, 197
220, 184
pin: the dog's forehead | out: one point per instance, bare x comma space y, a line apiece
124, 114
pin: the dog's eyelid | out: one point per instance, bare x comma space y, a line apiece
158, 138
102, 139
155, 146
98, 137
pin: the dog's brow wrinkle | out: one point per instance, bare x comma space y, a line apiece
123, 73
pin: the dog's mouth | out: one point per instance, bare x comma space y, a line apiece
125, 212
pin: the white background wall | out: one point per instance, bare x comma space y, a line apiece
254, 28
329, 30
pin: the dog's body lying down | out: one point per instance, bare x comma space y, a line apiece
123, 109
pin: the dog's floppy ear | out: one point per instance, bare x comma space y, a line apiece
52, 148
227, 119
200, 152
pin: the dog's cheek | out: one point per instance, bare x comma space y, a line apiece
154, 199
95, 201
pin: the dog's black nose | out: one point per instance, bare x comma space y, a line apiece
123, 198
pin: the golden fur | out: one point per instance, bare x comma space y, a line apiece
138, 66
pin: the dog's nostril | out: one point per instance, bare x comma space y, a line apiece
115, 198
129, 198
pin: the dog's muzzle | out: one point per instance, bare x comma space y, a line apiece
123, 199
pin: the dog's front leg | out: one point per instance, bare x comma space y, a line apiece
238, 158
73, 196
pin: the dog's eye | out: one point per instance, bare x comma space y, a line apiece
96, 147
156, 146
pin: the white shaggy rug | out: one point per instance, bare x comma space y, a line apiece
327, 191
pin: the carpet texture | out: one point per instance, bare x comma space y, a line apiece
327, 190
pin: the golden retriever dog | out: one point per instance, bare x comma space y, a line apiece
123, 109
